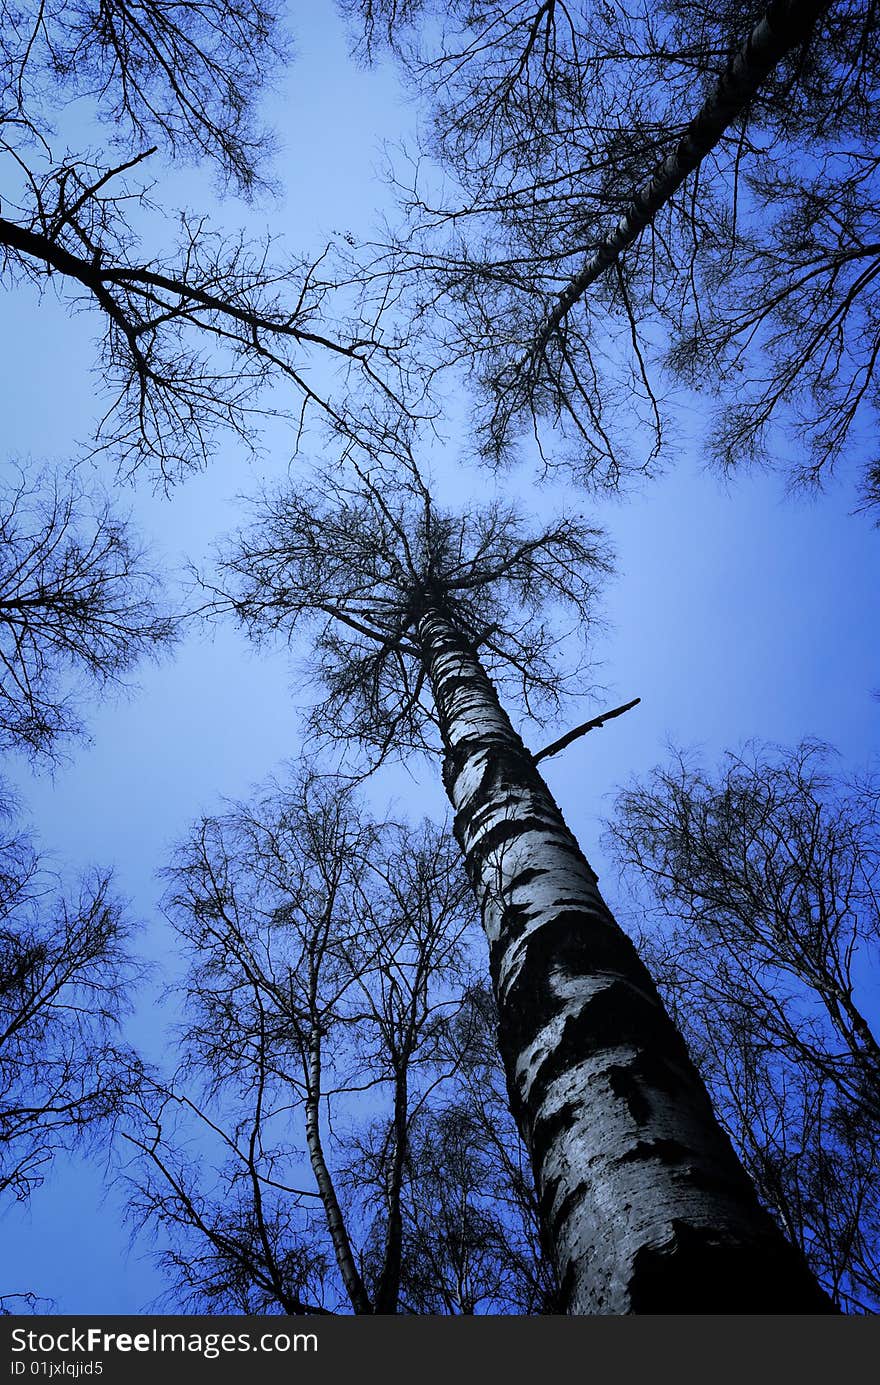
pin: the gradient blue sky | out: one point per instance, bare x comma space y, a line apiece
735, 614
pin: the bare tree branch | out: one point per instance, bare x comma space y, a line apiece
570, 736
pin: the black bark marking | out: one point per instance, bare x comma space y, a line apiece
497, 837
517, 918
668, 1152
628, 1085
701, 1271
568, 1285
548, 1128
578, 1193
620, 1014
526, 877
582, 941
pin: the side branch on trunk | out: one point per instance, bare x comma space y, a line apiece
570, 736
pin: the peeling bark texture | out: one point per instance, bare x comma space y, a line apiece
644, 1203
785, 25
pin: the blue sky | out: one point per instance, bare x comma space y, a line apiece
736, 613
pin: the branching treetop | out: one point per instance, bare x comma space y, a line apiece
187, 74
77, 602
362, 560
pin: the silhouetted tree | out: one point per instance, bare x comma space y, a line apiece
64, 979
764, 881
192, 331
328, 969
78, 607
472, 1229
630, 187
187, 75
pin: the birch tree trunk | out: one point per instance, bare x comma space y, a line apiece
644, 1203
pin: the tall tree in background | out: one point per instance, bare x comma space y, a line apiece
473, 1233
65, 976
78, 607
642, 1201
628, 187
328, 1022
762, 930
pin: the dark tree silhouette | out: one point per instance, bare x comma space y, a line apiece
64, 979
765, 930
195, 325
324, 1037
78, 605
629, 188
472, 1231
187, 74
78, 608
643, 1204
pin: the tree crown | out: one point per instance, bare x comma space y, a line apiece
362, 561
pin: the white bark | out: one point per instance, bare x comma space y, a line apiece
642, 1198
